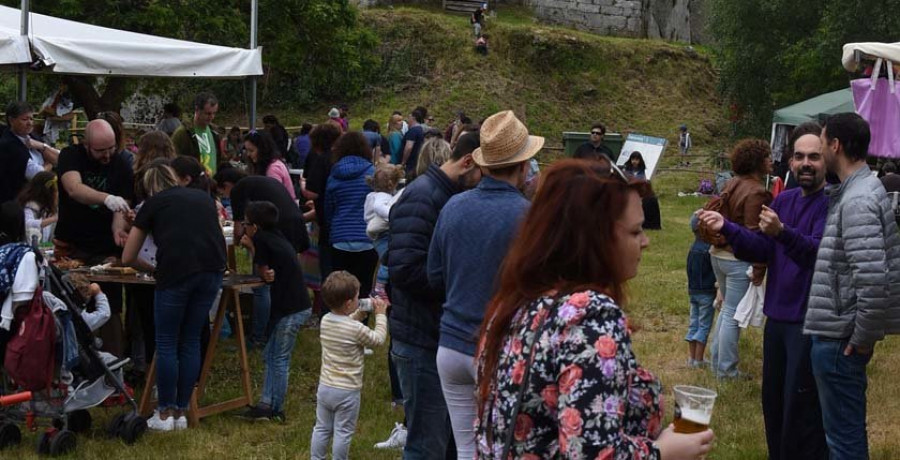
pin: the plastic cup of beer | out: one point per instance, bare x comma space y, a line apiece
693, 408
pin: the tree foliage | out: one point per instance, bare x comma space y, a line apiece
772, 53
312, 49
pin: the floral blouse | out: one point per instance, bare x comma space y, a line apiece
587, 397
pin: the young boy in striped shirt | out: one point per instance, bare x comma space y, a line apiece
343, 340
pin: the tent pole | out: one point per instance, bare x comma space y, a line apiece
254, 20
23, 68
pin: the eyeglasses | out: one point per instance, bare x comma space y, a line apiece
596, 133
614, 171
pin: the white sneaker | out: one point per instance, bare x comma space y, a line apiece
368, 351
157, 424
180, 423
397, 439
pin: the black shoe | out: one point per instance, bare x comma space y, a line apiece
256, 413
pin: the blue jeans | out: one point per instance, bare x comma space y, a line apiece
262, 306
381, 246
841, 381
427, 419
702, 311
180, 312
733, 282
277, 356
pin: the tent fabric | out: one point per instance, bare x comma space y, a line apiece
887, 51
809, 110
13, 48
69, 47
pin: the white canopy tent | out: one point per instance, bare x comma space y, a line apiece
69, 47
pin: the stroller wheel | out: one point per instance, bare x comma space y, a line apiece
79, 421
10, 435
114, 427
134, 428
62, 443
42, 446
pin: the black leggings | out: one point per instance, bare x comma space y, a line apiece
360, 264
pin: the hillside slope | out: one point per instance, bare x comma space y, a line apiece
557, 79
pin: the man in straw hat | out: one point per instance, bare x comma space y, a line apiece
469, 243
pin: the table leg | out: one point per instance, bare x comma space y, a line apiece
145, 408
213, 342
242, 347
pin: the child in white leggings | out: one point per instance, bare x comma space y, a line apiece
343, 340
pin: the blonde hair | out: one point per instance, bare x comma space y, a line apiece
392, 123
338, 288
386, 178
153, 145
434, 151
158, 176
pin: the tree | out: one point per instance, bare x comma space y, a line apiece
314, 49
773, 53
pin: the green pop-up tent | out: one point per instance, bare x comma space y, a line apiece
785, 119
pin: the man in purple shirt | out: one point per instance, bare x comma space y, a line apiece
788, 242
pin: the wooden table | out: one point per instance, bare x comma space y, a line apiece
231, 288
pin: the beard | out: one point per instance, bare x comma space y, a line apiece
468, 180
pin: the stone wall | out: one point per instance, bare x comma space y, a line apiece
607, 17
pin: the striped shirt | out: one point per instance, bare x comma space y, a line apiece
343, 339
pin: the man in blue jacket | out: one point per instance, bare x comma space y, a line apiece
469, 243
415, 307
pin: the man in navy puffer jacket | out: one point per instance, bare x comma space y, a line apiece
416, 308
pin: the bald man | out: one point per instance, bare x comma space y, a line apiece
97, 185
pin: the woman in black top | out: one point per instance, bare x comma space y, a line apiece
190, 260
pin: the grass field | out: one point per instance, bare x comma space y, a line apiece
658, 305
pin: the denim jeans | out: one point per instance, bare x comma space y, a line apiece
277, 356
381, 246
427, 420
841, 381
180, 314
733, 282
262, 306
702, 311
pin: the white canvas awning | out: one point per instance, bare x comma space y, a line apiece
886, 51
69, 47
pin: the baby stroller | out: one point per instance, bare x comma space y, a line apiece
91, 379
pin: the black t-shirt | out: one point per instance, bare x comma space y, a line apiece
261, 188
89, 228
587, 149
891, 182
288, 290
416, 134
316, 172
14, 158
185, 227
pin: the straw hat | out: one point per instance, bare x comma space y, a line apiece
505, 142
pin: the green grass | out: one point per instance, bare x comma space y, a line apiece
658, 306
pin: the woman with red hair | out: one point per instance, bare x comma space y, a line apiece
557, 374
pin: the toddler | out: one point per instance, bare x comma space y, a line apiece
376, 210
702, 292
343, 338
39, 199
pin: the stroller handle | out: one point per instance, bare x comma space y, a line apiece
15, 398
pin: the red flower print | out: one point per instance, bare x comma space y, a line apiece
606, 347
569, 377
570, 422
550, 393
579, 299
518, 371
516, 346
529, 457
653, 426
523, 427
606, 454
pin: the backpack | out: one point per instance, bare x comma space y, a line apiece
30, 357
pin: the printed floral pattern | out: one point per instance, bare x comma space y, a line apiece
587, 397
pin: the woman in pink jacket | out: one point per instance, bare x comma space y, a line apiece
265, 159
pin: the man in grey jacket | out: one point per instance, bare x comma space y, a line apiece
851, 305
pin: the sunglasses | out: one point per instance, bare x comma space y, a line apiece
597, 133
614, 171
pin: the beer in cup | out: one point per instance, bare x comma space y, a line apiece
693, 408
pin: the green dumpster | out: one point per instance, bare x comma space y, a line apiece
614, 141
